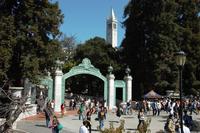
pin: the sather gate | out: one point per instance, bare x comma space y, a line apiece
57, 92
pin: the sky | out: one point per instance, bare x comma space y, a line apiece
85, 19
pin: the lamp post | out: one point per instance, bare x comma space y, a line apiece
180, 61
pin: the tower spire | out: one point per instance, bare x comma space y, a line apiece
111, 29
113, 14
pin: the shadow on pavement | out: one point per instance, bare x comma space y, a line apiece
164, 117
18, 131
41, 126
131, 129
162, 120
196, 126
128, 117
95, 130
75, 119
114, 121
161, 131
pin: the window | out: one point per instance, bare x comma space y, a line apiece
114, 26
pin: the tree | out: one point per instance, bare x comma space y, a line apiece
29, 32
68, 46
101, 55
189, 20
29, 38
155, 30
150, 42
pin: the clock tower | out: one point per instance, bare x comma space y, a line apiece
111, 29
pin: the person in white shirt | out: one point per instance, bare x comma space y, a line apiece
185, 129
83, 128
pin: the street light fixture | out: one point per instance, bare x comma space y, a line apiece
180, 62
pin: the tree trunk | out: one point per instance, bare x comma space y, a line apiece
15, 109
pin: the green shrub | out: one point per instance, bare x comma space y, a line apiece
111, 128
143, 128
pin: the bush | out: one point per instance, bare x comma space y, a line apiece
144, 127
111, 129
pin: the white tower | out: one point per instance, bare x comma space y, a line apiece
111, 29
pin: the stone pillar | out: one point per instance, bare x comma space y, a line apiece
16, 92
27, 88
58, 90
111, 91
128, 81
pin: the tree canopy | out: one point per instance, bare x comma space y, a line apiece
29, 32
101, 55
154, 32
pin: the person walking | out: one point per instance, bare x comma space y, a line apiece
83, 128
185, 128
62, 107
101, 116
54, 125
80, 111
187, 120
74, 105
52, 104
47, 117
141, 118
128, 108
118, 112
88, 116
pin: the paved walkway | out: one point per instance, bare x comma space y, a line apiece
71, 123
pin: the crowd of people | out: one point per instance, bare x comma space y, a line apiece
87, 107
172, 107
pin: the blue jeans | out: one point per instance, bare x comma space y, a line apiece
81, 116
101, 124
47, 122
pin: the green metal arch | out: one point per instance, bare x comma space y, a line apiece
48, 81
84, 68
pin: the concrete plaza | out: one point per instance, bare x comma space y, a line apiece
71, 123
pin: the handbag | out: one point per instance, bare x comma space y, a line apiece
60, 126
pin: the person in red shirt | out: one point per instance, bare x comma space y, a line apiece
62, 109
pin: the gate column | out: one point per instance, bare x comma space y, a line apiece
111, 88
58, 87
128, 81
